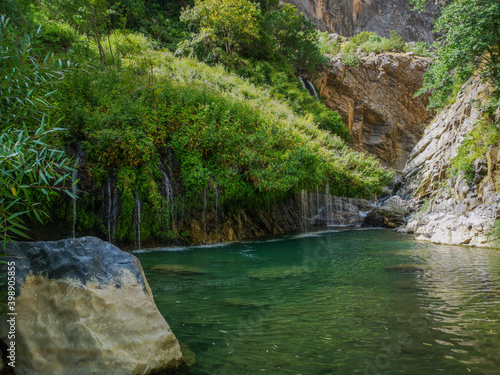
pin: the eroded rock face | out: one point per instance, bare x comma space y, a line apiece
453, 210
213, 227
376, 103
349, 17
84, 307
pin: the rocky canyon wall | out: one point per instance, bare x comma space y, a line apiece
376, 103
349, 17
454, 208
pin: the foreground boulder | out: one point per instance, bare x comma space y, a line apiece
84, 307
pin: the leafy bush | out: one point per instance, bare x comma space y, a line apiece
350, 59
328, 46
223, 130
475, 145
32, 171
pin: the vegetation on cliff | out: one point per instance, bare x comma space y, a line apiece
470, 43
136, 115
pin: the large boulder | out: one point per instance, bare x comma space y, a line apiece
340, 211
84, 307
390, 214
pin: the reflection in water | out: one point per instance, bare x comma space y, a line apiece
461, 299
363, 302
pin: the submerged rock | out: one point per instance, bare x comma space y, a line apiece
178, 269
281, 272
84, 307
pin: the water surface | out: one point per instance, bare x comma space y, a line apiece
334, 302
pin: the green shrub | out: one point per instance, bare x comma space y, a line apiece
350, 59
475, 145
222, 130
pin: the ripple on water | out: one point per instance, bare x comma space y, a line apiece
337, 302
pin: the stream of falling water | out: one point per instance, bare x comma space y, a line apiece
138, 208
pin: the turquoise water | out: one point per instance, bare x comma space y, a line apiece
337, 302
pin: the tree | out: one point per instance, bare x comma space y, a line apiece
230, 23
294, 37
470, 42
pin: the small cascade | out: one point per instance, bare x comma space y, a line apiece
217, 209
74, 187
74, 191
328, 205
303, 210
309, 87
205, 215
318, 207
112, 214
138, 209
169, 201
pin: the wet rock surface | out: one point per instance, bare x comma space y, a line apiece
84, 307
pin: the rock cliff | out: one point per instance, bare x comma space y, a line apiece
349, 17
376, 103
454, 209
84, 307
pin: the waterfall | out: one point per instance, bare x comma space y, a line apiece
217, 209
309, 87
74, 191
74, 187
138, 208
303, 210
112, 215
328, 204
318, 207
205, 215
169, 200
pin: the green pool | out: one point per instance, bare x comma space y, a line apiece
335, 302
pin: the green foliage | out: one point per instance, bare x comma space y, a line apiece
425, 206
223, 130
475, 145
328, 46
24, 80
350, 59
369, 42
470, 40
32, 171
232, 24
495, 231
294, 37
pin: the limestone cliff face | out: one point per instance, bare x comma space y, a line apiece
457, 211
349, 17
376, 103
